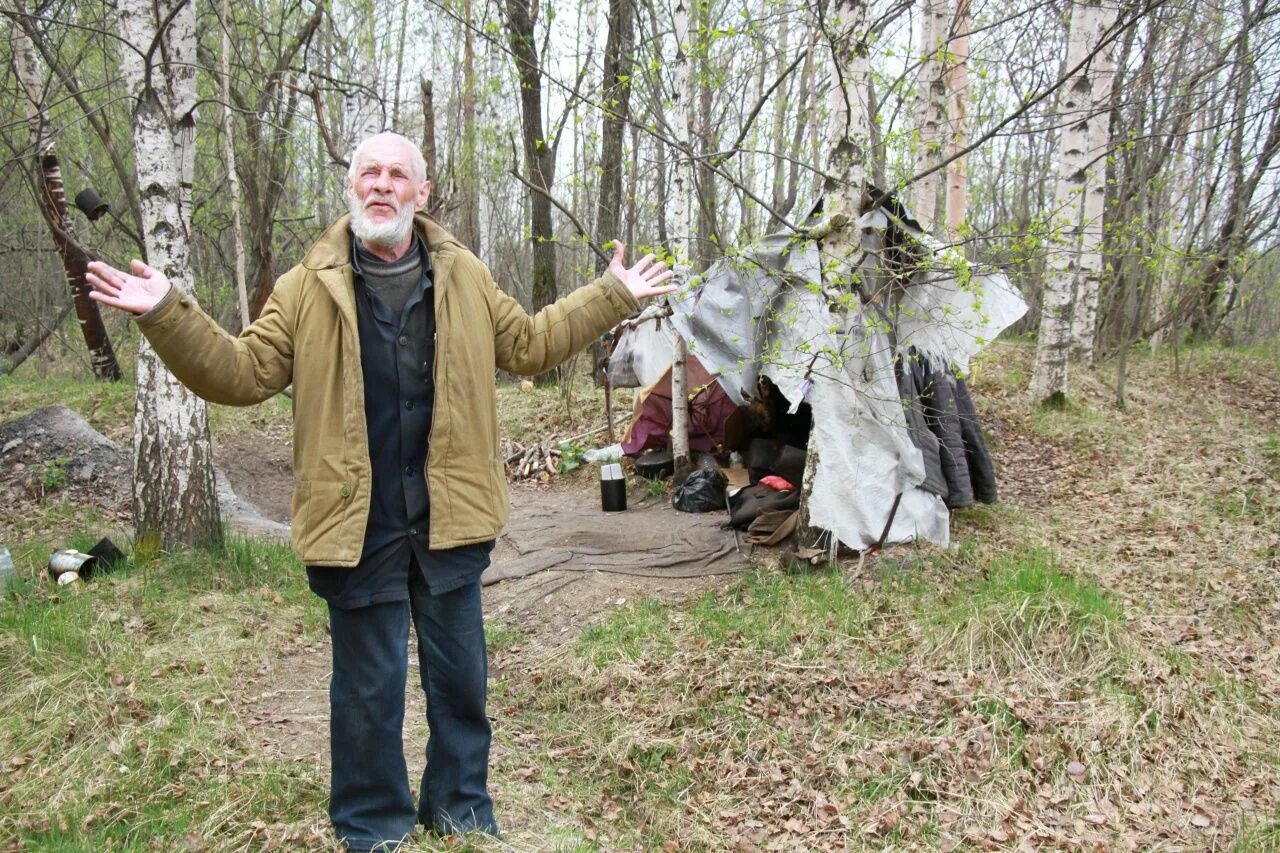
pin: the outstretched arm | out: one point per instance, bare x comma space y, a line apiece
533, 344
215, 365
137, 293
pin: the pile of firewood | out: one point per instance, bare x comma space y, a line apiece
537, 461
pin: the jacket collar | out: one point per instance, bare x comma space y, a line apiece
333, 249
330, 257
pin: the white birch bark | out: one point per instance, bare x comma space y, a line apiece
233, 177
848, 141
173, 494
958, 122
930, 112
1102, 71
1050, 374
685, 219
363, 113
27, 65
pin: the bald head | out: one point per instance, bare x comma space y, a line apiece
388, 143
386, 184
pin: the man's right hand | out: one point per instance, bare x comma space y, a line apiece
137, 293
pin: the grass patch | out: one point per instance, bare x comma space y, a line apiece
1003, 367
274, 414
637, 631
500, 636
797, 616
118, 710
1024, 614
1077, 425
1271, 453
1262, 836
793, 706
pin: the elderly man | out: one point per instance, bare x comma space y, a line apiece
390, 332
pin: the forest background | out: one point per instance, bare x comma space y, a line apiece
973, 118
1094, 664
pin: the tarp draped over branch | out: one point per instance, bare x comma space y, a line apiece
768, 313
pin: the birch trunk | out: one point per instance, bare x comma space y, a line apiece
173, 495
685, 223
233, 177
930, 112
363, 113
848, 140
1084, 319
53, 205
958, 119
706, 243
1049, 377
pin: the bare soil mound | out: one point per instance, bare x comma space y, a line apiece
54, 449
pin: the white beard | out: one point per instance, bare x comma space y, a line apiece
385, 235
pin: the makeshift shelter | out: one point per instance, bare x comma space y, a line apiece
875, 376
709, 410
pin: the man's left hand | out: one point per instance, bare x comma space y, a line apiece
646, 278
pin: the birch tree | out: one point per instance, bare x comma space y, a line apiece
958, 121
1049, 378
233, 178
686, 225
173, 491
363, 111
930, 112
848, 140
1084, 318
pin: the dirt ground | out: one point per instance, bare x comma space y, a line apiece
287, 703
1169, 504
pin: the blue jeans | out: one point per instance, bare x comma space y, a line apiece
370, 803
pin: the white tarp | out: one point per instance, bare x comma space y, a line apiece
767, 313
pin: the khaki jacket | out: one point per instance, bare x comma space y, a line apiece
307, 336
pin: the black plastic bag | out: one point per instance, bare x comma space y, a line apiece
702, 491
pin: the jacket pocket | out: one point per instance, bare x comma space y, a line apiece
318, 521
502, 501
297, 514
